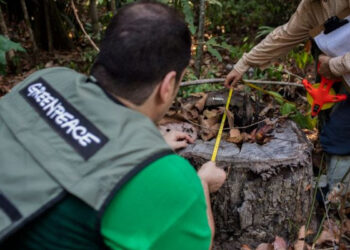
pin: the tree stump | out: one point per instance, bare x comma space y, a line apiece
268, 189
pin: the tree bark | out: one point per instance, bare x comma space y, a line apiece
267, 191
200, 38
27, 20
48, 25
94, 17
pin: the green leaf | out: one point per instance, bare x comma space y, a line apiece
264, 31
7, 45
214, 52
287, 108
228, 47
188, 16
277, 97
301, 120
215, 2
212, 41
2, 58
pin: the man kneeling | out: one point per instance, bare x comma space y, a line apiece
83, 165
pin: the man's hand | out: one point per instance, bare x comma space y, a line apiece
232, 78
177, 139
212, 176
324, 69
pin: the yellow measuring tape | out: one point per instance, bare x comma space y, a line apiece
218, 137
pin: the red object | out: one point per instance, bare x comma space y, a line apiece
321, 94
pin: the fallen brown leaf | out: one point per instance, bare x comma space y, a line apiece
308, 187
211, 113
165, 120
346, 226
330, 233
312, 135
262, 134
266, 109
246, 137
230, 118
207, 122
265, 246
211, 132
245, 247
235, 136
252, 135
335, 195
201, 102
326, 236
300, 244
279, 244
189, 111
171, 112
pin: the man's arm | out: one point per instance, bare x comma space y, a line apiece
212, 179
340, 65
163, 207
277, 43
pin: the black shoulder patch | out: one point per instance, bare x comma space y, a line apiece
67, 121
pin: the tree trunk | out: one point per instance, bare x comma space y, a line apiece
4, 30
30, 31
94, 17
267, 192
3, 26
114, 7
48, 25
200, 38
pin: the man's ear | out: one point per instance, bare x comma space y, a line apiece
167, 86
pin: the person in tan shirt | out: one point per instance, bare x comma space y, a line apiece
310, 14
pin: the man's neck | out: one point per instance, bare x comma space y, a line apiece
144, 109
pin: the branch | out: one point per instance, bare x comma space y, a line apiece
217, 80
82, 27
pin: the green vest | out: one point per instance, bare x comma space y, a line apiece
60, 133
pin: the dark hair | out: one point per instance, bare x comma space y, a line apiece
143, 42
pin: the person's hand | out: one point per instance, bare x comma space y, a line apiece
212, 176
177, 139
324, 69
232, 78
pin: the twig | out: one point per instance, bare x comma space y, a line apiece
202, 81
225, 129
292, 74
82, 27
342, 205
217, 80
275, 83
319, 230
329, 248
345, 237
314, 195
327, 215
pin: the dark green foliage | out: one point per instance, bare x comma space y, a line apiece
241, 16
5, 46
